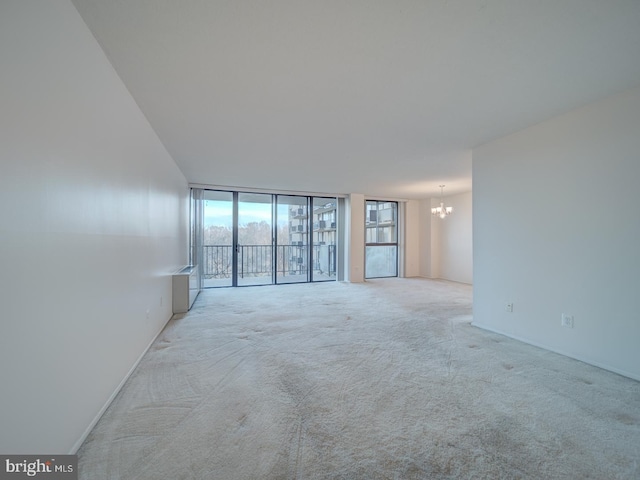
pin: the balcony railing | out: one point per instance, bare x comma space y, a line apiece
257, 260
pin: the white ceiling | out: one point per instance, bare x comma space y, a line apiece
380, 97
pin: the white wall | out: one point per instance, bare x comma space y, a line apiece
93, 218
411, 238
355, 206
450, 240
424, 238
556, 229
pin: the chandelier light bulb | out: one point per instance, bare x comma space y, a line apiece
441, 211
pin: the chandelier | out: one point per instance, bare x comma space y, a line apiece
441, 211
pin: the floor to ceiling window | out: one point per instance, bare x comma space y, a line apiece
241, 239
217, 252
324, 228
381, 252
254, 245
292, 238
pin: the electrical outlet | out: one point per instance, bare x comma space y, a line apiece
509, 307
566, 321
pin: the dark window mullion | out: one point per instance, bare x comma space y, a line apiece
234, 242
274, 239
310, 239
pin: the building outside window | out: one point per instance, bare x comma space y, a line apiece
381, 251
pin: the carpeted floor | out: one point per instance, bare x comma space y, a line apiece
382, 380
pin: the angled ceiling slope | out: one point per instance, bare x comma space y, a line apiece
384, 98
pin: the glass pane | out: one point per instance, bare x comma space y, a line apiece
387, 222
324, 238
381, 228
293, 240
381, 261
217, 254
255, 234
371, 222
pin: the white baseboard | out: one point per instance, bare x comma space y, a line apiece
588, 361
76, 446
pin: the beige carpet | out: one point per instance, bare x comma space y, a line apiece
383, 380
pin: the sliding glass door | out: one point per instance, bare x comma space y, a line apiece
254, 245
292, 239
237, 246
241, 239
217, 244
